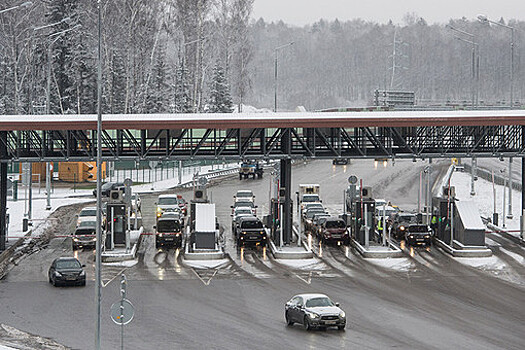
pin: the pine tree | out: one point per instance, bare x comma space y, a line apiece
158, 91
220, 100
182, 90
118, 85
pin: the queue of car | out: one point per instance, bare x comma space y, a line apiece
169, 227
247, 228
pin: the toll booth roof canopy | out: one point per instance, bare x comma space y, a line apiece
204, 217
469, 215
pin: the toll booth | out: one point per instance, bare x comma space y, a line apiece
364, 213
442, 209
116, 225
273, 219
469, 230
204, 236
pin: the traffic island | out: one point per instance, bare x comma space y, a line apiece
378, 251
290, 251
458, 250
119, 254
203, 254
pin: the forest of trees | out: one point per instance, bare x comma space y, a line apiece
186, 56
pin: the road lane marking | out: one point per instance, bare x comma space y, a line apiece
118, 274
308, 279
206, 283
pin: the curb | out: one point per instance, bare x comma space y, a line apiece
115, 257
205, 255
467, 252
395, 253
6, 255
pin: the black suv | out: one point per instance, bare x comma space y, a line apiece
418, 234
250, 230
400, 223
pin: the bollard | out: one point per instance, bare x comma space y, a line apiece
495, 219
25, 224
15, 190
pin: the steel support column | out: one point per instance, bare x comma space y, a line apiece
286, 183
3, 189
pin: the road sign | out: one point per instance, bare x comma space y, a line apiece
122, 312
352, 179
153, 164
202, 181
128, 182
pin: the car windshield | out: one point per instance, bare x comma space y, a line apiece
407, 218
319, 302
244, 194
252, 224
244, 204
67, 264
311, 213
168, 201
88, 212
335, 224
85, 224
243, 212
168, 226
311, 198
418, 229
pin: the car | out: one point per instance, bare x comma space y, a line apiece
170, 203
109, 186
168, 230
243, 203
308, 215
85, 234
340, 161
243, 195
310, 198
87, 213
250, 230
400, 221
418, 234
250, 168
386, 210
313, 225
238, 213
318, 220
306, 206
67, 270
314, 311
334, 230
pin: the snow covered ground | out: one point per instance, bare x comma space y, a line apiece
484, 198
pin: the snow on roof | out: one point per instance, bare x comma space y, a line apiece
469, 214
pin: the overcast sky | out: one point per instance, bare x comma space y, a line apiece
301, 12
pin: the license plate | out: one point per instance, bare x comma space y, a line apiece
71, 278
254, 238
330, 322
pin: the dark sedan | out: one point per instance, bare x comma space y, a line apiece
418, 234
314, 311
65, 271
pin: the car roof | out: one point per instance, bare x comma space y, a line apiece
168, 196
89, 208
66, 258
249, 218
243, 208
308, 296
244, 191
333, 218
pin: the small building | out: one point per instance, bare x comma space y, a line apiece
469, 230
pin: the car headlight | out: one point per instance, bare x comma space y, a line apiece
75, 239
83, 273
312, 315
402, 228
58, 274
427, 236
342, 314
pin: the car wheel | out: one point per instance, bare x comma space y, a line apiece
306, 324
341, 328
240, 176
83, 284
54, 282
289, 322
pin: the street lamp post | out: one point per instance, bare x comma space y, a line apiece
98, 252
484, 19
475, 61
275, 71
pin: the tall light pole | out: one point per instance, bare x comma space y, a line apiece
475, 61
98, 261
484, 19
57, 36
275, 71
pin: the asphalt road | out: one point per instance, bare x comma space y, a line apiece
431, 302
